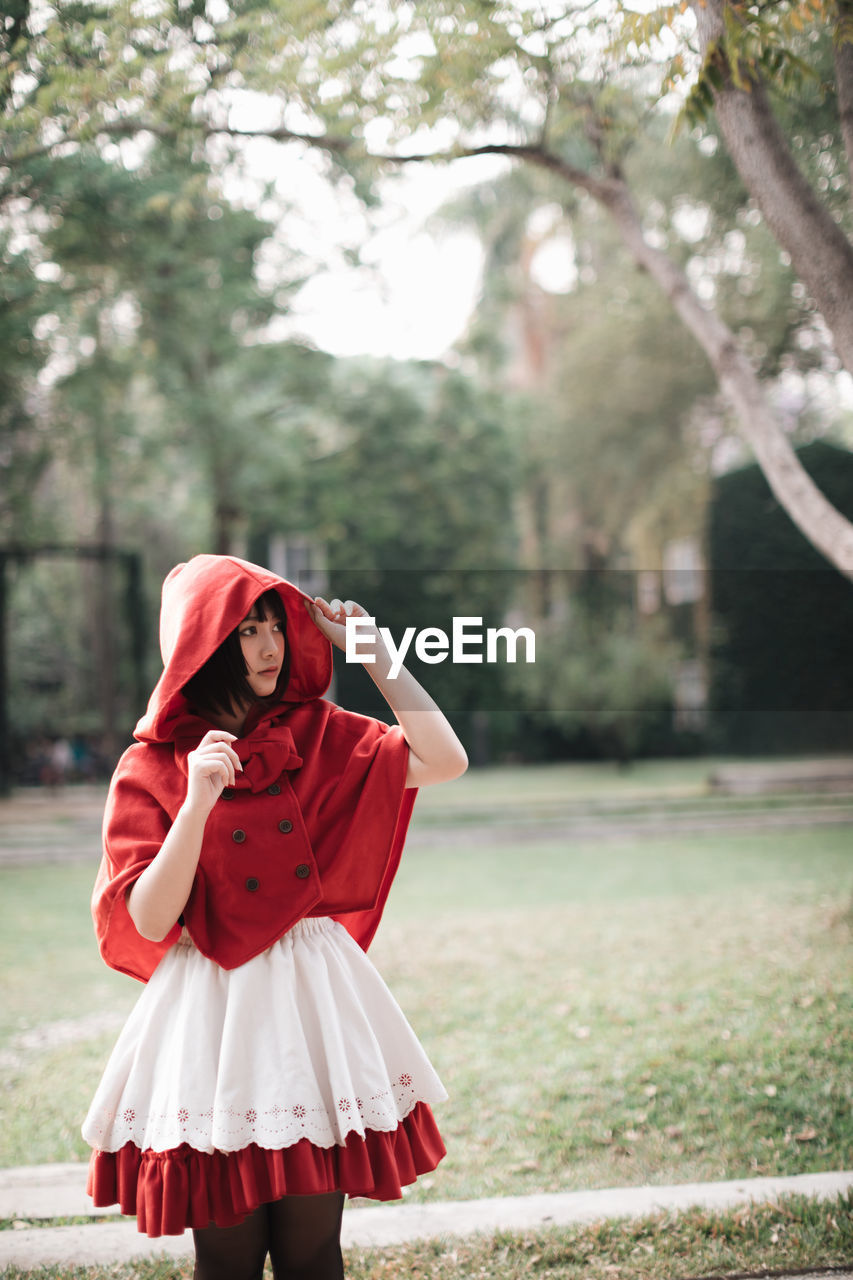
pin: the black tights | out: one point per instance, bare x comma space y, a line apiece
302, 1235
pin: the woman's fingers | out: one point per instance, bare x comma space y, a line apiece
227, 754
330, 617
217, 735
217, 771
216, 751
338, 610
219, 740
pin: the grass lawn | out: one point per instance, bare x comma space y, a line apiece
602, 1014
487, 792
631, 1013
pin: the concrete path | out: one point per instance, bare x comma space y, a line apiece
59, 1191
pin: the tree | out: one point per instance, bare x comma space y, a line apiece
542, 85
144, 381
24, 445
602, 377
597, 675
404, 473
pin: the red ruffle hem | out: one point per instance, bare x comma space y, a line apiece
169, 1191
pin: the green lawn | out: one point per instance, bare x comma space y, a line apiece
655, 1012
570, 781
602, 1014
593, 784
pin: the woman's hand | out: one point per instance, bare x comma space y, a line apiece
157, 898
210, 768
435, 752
331, 619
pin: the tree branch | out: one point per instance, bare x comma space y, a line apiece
825, 527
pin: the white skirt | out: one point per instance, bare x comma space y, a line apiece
304, 1041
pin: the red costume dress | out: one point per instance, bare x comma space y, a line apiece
265, 1057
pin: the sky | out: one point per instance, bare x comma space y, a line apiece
415, 285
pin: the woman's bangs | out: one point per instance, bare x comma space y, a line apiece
270, 605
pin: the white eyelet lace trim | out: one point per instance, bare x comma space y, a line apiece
279, 1125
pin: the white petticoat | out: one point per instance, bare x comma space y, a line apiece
302, 1041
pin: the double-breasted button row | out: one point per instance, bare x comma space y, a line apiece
227, 793
239, 835
303, 871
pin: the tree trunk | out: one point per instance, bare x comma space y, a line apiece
829, 531
820, 253
105, 602
844, 78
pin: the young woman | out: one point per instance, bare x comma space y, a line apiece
251, 836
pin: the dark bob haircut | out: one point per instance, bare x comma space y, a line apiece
221, 684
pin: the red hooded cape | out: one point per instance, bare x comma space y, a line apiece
315, 823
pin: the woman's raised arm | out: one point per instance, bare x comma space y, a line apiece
435, 752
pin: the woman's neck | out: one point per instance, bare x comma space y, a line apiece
232, 722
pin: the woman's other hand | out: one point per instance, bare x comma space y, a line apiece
330, 618
435, 752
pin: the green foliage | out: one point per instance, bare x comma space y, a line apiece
403, 473
170, 383
600, 676
421, 477
602, 427
25, 444
773, 595
157, 295
172, 388
770, 42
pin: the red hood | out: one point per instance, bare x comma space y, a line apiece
203, 601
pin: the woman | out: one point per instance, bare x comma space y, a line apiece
251, 836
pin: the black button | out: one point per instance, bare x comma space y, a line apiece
285, 825
303, 871
253, 884
274, 790
227, 793
238, 836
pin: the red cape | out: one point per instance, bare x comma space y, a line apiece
315, 823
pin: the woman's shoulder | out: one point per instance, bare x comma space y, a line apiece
340, 723
149, 766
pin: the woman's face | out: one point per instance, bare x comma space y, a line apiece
262, 643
